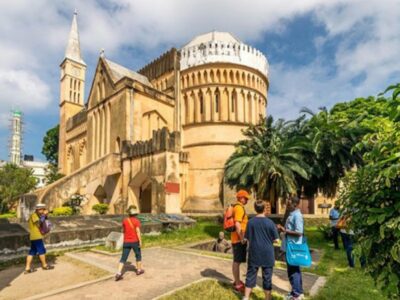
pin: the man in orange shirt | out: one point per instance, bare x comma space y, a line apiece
237, 237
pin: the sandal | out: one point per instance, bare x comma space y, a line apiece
139, 272
29, 271
48, 267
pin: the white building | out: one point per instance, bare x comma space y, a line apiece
39, 171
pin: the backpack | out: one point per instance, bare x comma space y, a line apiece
229, 220
45, 227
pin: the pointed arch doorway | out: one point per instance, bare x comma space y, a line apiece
140, 192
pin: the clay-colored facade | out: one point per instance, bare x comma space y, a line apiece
157, 138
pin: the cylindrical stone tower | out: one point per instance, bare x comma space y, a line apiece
224, 87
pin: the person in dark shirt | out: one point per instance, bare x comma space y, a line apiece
261, 234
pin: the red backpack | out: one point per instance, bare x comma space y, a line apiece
229, 220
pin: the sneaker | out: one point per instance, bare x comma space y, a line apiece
139, 272
118, 276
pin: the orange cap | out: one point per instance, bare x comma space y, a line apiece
242, 194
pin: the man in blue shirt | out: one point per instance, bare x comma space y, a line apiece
261, 234
334, 216
294, 230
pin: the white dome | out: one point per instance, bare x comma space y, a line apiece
225, 37
221, 47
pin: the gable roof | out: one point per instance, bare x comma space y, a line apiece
118, 72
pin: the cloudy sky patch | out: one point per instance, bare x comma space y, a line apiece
320, 52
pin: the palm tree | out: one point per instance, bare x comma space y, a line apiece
333, 141
269, 160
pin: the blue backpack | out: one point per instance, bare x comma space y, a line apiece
298, 254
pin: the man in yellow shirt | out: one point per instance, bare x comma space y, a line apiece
237, 237
36, 238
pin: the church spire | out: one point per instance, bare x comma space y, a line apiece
73, 50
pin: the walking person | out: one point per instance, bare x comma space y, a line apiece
237, 237
261, 233
36, 239
334, 216
294, 231
132, 241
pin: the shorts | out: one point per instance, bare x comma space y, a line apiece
251, 277
239, 252
127, 249
37, 248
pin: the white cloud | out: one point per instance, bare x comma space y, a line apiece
34, 35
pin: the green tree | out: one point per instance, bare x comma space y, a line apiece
332, 140
14, 181
50, 151
50, 145
268, 160
371, 198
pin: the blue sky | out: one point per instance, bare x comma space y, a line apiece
320, 52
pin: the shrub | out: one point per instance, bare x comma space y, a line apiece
100, 208
326, 229
62, 211
8, 215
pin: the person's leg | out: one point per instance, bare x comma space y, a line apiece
239, 256
124, 257
267, 282
335, 236
349, 251
251, 280
348, 248
138, 255
343, 236
29, 259
41, 250
295, 280
290, 271
236, 272
301, 281
42, 259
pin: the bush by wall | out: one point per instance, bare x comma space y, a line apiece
62, 211
100, 208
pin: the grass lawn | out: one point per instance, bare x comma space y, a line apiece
212, 289
204, 229
342, 282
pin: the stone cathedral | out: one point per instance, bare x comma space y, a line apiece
158, 137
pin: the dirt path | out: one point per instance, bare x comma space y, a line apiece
166, 269
15, 285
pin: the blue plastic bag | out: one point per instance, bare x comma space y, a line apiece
298, 254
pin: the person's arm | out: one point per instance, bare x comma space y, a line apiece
238, 227
298, 227
36, 220
139, 235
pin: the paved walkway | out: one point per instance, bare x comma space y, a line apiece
166, 269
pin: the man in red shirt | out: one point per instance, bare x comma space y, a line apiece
132, 240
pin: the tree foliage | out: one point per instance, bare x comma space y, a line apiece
50, 145
14, 181
269, 160
50, 151
371, 197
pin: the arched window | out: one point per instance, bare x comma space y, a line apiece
201, 104
186, 110
233, 102
217, 101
